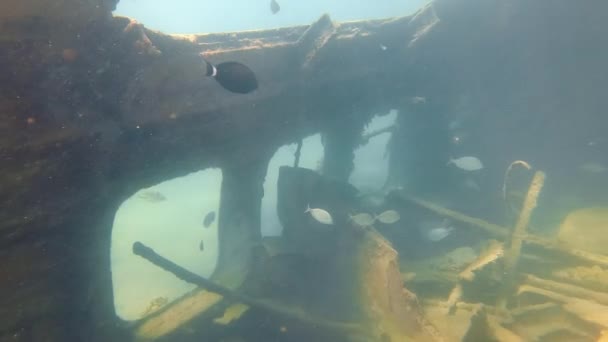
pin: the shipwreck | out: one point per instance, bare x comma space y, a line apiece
95, 107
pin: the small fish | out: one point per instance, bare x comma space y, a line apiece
274, 6
389, 217
233, 76
231, 314
201, 245
320, 215
209, 218
363, 219
383, 47
433, 232
418, 100
152, 196
438, 234
467, 163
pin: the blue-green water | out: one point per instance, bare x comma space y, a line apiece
397, 171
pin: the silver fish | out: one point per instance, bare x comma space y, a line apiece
435, 231
152, 196
389, 217
439, 233
467, 163
320, 215
363, 219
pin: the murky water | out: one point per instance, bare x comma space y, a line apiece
397, 171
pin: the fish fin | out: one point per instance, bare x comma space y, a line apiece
235, 77
211, 70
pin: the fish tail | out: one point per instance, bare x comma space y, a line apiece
307, 208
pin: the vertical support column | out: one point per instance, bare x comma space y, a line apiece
239, 218
419, 149
341, 137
